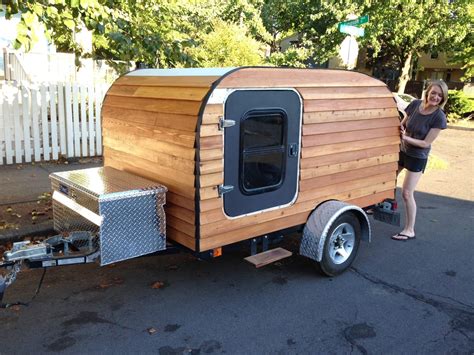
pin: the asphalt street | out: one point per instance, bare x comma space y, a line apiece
398, 297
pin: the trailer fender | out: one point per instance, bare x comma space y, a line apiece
320, 220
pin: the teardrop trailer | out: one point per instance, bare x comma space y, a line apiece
204, 158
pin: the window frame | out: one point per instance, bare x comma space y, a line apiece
263, 151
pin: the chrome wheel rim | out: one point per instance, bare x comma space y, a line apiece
341, 243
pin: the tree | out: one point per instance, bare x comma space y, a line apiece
464, 55
155, 33
227, 45
315, 23
224, 32
128, 30
406, 28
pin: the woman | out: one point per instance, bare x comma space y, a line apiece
422, 123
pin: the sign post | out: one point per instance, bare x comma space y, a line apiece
350, 27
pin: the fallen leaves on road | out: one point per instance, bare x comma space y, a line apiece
109, 283
157, 285
20, 215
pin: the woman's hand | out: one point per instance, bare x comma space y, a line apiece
402, 131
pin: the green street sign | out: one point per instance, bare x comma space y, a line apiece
352, 30
358, 21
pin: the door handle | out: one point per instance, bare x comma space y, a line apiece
293, 150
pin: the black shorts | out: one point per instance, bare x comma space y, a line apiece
411, 163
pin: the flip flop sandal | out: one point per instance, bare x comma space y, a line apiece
404, 239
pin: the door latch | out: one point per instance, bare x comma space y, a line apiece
223, 189
293, 150
223, 123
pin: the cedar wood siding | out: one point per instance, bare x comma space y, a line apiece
349, 149
349, 145
149, 129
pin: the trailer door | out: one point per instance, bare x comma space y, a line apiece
261, 151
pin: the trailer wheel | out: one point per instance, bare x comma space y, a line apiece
341, 244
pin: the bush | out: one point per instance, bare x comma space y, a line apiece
459, 106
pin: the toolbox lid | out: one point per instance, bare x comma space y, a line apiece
105, 180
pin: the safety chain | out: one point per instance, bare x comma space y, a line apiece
11, 276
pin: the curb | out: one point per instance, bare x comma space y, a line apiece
36, 230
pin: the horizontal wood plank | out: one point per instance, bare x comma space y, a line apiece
156, 92
372, 199
211, 180
331, 159
214, 110
268, 257
312, 195
321, 181
349, 137
180, 81
373, 183
211, 204
210, 130
349, 126
359, 189
118, 127
180, 107
211, 118
347, 166
343, 92
180, 201
140, 146
220, 239
210, 154
150, 170
176, 163
207, 193
158, 119
347, 104
348, 115
286, 77
180, 213
322, 150
212, 166
180, 225
180, 237
211, 142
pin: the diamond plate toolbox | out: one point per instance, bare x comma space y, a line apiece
125, 210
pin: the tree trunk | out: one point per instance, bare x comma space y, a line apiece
405, 74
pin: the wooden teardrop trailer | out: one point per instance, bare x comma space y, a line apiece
246, 152
250, 151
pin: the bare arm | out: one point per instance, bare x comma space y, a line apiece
403, 123
425, 143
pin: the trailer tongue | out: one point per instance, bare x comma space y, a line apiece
100, 213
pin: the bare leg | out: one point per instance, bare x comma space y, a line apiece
408, 190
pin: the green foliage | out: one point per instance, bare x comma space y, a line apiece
293, 57
183, 33
464, 55
458, 106
436, 163
315, 22
406, 28
227, 45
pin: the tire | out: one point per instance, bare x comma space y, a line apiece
341, 244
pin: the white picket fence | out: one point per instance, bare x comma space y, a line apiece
45, 121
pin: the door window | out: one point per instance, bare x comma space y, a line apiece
263, 158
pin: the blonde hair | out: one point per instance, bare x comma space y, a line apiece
444, 89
